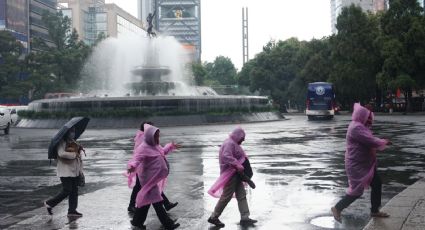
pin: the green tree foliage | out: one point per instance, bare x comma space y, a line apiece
10, 52
370, 54
57, 68
355, 56
284, 69
199, 73
403, 47
221, 71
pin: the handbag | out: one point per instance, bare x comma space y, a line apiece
81, 180
247, 168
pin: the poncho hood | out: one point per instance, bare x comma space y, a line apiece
360, 113
149, 136
237, 134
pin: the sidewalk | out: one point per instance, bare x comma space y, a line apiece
407, 210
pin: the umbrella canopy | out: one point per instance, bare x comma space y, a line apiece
79, 123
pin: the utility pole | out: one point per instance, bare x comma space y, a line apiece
245, 48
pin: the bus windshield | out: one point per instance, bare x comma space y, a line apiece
320, 99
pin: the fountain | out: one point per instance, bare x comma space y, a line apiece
133, 78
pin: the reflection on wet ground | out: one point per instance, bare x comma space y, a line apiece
298, 165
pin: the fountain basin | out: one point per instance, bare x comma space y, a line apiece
163, 110
151, 103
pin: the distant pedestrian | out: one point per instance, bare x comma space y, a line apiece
152, 172
231, 158
361, 163
138, 139
69, 167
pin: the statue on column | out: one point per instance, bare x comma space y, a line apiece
149, 19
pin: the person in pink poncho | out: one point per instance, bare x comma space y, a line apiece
138, 139
152, 171
360, 163
231, 159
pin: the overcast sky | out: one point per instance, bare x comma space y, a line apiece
268, 19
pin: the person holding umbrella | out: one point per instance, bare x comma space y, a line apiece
67, 153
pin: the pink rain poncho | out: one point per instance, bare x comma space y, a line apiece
151, 168
360, 156
138, 139
231, 156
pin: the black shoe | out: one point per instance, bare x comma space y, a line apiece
170, 205
48, 208
248, 221
216, 222
131, 209
173, 226
74, 214
142, 227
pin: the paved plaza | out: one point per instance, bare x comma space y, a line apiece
298, 168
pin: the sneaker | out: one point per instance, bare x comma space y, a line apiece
169, 206
216, 222
248, 221
173, 226
74, 214
142, 227
48, 208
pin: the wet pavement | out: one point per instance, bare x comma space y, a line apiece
298, 168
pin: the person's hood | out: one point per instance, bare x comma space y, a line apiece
237, 134
360, 113
149, 135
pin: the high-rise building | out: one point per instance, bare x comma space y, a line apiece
37, 27
93, 17
380, 5
23, 19
14, 18
337, 5
180, 19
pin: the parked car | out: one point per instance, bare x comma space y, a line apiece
5, 120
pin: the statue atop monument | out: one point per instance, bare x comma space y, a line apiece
149, 19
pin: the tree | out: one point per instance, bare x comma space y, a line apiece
10, 71
222, 71
272, 71
58, 67
199, 73
355, 56
403, 48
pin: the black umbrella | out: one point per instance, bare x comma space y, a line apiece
79, 123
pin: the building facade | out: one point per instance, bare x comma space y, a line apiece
180, 19
23, 19
91, 18
36, 26
14, 18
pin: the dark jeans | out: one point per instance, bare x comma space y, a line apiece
136, 190
375, 196
70, 190
140, 215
